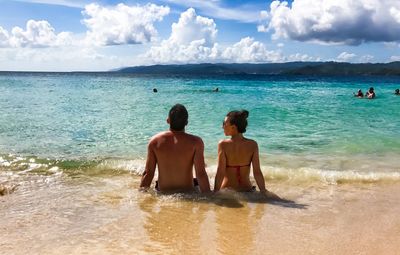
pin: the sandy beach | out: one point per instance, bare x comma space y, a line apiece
108, 215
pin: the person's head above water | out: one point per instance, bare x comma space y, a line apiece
397, 91
178, 117
371, 90
237, 119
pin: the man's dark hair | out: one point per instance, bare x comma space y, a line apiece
239, 119
178, 117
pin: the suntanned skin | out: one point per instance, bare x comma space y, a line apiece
175, 153
237, 151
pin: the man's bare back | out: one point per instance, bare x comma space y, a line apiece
175, 153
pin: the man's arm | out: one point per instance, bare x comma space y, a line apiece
221, 168
150, 167
199, 167
257, 171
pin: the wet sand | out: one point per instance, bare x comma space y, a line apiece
107, 215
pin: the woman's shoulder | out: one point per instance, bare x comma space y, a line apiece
252, 142
224, 141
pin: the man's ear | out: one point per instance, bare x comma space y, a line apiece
168, 121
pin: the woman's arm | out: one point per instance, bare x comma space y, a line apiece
219, 177
257, 170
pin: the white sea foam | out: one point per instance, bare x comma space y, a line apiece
284, 174
134, 166
280, 173
304, 174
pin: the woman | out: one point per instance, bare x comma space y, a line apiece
370, 93
235, 156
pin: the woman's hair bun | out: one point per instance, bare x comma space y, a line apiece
239, 119
244, 113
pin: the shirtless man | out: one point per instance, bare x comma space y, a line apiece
359, 94
175, 152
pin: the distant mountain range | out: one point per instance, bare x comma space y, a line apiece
290, 68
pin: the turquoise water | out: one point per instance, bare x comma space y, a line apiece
97, 116
72, 150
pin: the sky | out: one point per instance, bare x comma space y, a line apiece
84, 35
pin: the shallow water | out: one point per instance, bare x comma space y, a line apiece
98, 116
72, 149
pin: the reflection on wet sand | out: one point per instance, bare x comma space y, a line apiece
236, 229
224, 224
173, 225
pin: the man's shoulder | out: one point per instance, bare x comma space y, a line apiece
165, 134
194, 138
158, 136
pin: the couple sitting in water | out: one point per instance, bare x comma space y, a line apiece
176, 152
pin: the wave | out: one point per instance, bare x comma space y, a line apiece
19, 165
307, 175
34, 165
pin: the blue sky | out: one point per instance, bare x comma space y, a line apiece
81, 35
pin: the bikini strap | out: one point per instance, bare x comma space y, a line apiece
237, 168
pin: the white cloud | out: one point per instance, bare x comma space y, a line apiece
366, 58
302, 57
395, 12
262, 28
345, 57
192, 27
38, 34
192, 39
346, 21
395, 58
214, 8
250, 51
4, 38
68, 3
391, 44
69, 58
122, 24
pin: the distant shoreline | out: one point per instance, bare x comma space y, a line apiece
250, 70
289, 68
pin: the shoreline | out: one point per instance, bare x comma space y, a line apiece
293, 170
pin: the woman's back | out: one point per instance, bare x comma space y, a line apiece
238, 154
239, 151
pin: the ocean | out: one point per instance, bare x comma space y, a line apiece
73, 148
